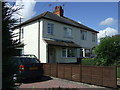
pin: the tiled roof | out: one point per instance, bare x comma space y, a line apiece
62, 43
51, 16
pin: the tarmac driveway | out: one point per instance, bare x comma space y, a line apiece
51, 82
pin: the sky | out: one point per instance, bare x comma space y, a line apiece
100, 16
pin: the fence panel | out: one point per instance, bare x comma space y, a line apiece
96, 75
86, 74
54, 70
61, 71
76, 73
109, 76
68, 72
46, 68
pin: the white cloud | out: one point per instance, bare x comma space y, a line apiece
108, 21
79, 22
27, 10
106, 32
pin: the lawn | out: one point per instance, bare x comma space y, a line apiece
118, 72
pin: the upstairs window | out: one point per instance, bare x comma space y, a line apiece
67, 32
50, 28
93, 37
83, 35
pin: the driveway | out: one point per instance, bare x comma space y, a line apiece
51, 82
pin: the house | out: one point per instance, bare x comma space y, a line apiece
54, 38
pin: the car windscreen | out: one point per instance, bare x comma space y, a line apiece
28, 60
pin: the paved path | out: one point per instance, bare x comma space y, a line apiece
58, 83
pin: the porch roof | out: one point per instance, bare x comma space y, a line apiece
62, 43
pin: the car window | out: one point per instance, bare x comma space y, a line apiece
15, 61
29, 60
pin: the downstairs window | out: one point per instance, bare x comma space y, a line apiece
68, 52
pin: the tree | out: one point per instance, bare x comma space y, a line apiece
8, 44
108, 51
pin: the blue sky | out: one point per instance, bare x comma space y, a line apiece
88, 13
100, 16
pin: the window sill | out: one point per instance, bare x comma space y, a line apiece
69, 57
50, 34
68, 37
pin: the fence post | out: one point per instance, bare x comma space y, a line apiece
71, 71
50, 69
56, 70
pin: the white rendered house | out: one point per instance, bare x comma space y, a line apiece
54, 38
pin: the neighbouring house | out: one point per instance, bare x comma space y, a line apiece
54, 38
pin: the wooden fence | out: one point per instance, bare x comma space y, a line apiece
98, 75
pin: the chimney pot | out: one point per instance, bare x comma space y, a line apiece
58, 10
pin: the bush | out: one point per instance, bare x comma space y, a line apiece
89, 61
108, 51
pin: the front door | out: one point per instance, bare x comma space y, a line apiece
51, 55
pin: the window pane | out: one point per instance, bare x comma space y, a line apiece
81, 52
68, 32
64, 52
71, 52
83, 35
50, 28
22, 33
93, 37
87, 52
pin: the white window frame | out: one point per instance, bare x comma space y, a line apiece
81, 52
66, 52
67, 32
87, 51
93, 37
50, 28
83, 35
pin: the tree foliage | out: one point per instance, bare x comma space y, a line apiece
8, 44
108, 51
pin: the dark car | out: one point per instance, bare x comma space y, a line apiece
26, 67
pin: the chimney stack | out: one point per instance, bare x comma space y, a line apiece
58, 10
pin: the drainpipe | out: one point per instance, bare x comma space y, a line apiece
39, 40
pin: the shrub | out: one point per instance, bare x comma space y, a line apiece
108, 51
89, 61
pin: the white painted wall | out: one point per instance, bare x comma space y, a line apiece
31, 38
59, 34
76, 37
43, 45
